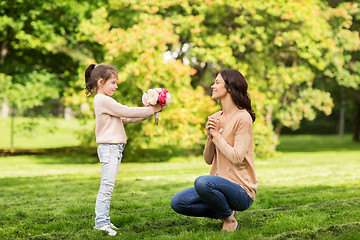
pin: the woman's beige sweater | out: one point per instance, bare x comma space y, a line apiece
231, 151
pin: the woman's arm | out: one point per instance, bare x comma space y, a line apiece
235, 154
209, 151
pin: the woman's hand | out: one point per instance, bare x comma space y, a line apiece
212, 126
157, 108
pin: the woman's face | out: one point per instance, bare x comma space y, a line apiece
218, 88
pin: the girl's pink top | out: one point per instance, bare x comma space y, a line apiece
110, 116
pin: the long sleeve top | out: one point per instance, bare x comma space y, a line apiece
231, 152
110, 116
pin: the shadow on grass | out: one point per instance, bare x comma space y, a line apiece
66, 159
63, 151
88, 155
316, 143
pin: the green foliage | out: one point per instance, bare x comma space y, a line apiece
291, 52
264, 140
136, 49
279, 46
346, 41
36, 41
33, 89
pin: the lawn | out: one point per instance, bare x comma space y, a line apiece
306, 191
44, 133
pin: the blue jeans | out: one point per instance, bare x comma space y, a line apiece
110, 157
213, 197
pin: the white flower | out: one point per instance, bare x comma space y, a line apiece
168, 100
152, 96
145, 99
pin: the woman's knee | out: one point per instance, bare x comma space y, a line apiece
202, 183
175, 203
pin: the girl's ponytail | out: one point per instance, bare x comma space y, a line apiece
90, 83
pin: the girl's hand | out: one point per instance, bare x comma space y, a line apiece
157, 108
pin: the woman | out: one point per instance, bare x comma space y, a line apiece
232, 184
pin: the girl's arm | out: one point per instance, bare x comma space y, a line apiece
134, 120
110, 106
235, 154
209, 151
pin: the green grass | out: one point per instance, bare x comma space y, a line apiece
46, 133
313, 194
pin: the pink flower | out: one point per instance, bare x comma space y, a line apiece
162, 98
156, 95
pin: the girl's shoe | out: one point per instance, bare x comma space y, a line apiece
113, 226
108, 229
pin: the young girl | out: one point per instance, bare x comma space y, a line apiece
110, 134
232, 183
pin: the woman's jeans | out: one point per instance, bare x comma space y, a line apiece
110, 157
213, 197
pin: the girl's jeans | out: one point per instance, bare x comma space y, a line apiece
110, 157
213, 197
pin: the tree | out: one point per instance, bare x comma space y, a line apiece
344, 68
277, 45
35, 55
136, 48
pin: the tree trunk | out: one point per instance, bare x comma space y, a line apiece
277, 126
5, 109
342, 115
4, 50
277, 130
356, 123
268, 117
12, 128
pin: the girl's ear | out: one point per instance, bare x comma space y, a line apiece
100, 82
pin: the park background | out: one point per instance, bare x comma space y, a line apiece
300, 58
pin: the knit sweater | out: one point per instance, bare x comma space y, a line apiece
231, 151
110, 116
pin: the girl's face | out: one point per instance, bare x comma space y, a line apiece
108, 87
218, 88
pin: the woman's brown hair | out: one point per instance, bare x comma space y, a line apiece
236, 85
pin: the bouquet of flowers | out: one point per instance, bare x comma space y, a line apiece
154, 96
